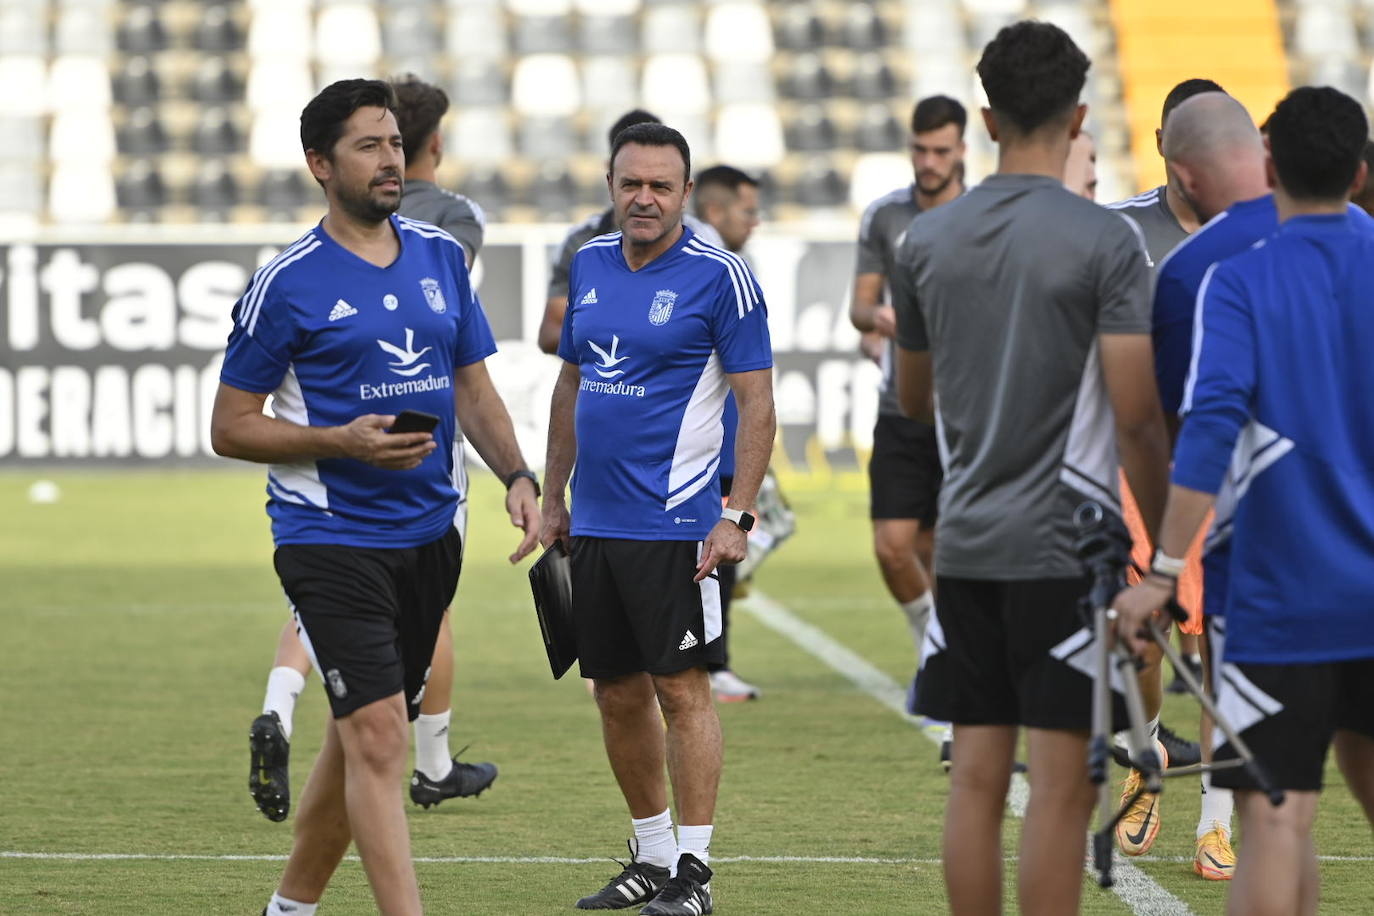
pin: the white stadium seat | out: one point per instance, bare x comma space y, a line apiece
348, 35
79, 81
81, 192
546, 85
676, 81
749, 135
24, 70
738, 31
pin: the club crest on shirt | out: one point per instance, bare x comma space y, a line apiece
661, 309
433, 294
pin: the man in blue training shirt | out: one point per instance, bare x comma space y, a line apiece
366, 315
659, 326
1276, 404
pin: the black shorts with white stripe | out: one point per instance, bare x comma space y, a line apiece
636, 608
1288, 715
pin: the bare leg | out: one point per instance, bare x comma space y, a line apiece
1355, 754
439, 688
695, 746
1310, 891
291, 651
1050, 880
1269, 867
978, 783
895, 542
1151, 677
322, 833
633, 733
374, 745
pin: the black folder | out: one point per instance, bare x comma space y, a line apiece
551, 582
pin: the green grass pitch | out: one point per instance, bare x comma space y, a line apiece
138, 617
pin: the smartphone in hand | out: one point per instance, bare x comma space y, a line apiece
414, 421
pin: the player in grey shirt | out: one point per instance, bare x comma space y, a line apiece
904, 469
1025, 310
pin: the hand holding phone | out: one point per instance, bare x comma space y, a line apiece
414, 421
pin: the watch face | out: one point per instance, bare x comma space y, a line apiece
746, 521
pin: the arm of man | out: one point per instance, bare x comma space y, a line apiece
561, 455
727, 542
552, 324
486, 423
868, 314
1141, 439
914, 372
239, 429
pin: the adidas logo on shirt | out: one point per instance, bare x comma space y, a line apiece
688, 642
341, 309
590, 298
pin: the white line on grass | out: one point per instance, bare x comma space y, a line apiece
443, 860
1136, 889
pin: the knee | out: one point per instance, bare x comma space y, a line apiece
683, 693
621, 696
892, 550
379, 735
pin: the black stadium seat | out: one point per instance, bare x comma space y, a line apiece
142, 31
140, 191
143, 133
811, 131
137, 82
879, 131
217, 30
216, 133
215, 191
216, 82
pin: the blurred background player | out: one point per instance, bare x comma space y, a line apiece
597, 224
1281, 447
1037, 373
438, 772
727, 199
904, 471
1080, 171
1364, 198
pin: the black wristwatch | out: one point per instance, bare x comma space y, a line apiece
526, 473
739, 517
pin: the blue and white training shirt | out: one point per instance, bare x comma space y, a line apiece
334, 337
1278, 404
654, 346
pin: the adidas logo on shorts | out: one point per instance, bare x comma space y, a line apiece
341, 309
688, 642
590, 298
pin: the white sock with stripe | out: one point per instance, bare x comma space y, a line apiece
1217, 807
654, 841
285, 906
695, 839
284, 686
431, 745
917, 612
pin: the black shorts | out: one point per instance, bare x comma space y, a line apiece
904, 471
1010, 653
636, 607
369, 617
1287, 714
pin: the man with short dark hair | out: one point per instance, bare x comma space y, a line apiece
596, 225
366, 316
1277, 435
659, 326
1364, 198
904, 469
1041, 378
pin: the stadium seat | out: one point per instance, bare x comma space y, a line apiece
671, 29
738, 32
539, 7
142, 133
24, 70
83, 30
81, 192
79, 81
553, 192
864, 29
275, 139
546, 85
215, 191
807, 78
675, 81
547, 137
347, 36
479, 81
279, 83
142, 31
542, 35
875, 174
935, 25
812, 131
609, 84
800, 29
879, 131
742, 81
217, 30
603, 34
873, 79
480, 135
77, 135
137, 82
487, 186
820, 185
216, 133
475, 31
215, 81
21, 191
23, 138
140, 191
409, 32
280, 31
22, 31
283, 192
749, 135
1322, 31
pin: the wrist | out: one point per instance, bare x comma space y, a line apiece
522, 474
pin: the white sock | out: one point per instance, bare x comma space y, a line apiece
285, 906
431, 745
695, 839
284, 685
1217, 805
917, 612
654, 841
1123, 738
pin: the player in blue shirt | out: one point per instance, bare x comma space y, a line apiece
364, 317
659, 326
1277, 404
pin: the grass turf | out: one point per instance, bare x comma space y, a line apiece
139, 618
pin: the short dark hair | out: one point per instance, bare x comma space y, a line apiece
1185, 91
630, 119
934, 112
1317, 137
652, 133
420, 107
323, 117
724, 176
1032, 73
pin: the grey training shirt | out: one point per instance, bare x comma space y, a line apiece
1161, 229
883, 226
457, 215
1008, 288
